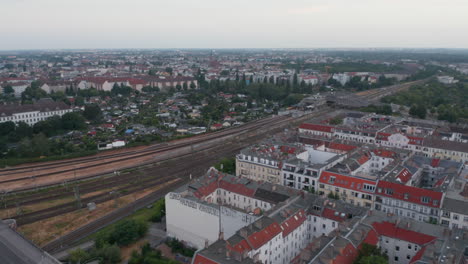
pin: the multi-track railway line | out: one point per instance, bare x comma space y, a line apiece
44, 174
139, 177
376, 94
192, 156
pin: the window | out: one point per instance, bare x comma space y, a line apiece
408, 257
425, 199
409, 246
397, 248
396, 258
389, 191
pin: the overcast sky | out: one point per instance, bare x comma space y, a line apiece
52, 24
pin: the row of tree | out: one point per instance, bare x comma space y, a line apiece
447, 102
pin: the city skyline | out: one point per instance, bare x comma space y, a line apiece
53, 24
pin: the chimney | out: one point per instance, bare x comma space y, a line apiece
221, 235
206, 243
259, 223
369, 213
243, 233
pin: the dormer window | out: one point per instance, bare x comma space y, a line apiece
389, 191
406, 196
425, 199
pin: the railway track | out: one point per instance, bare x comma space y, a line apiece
375, 94
196, 167
128, 186
148, 150
67, 240
151, 153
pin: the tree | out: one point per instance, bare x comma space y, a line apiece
92, 112
7, 128
227, 165
40, 145
73, 121
79, 101
78, 256
8, 89
127, 232
110, 254
23, 130
169, 70
192, 85
418, 111
370, 254
372, 260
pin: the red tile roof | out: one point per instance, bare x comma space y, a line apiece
384, 153
293, 222
418, 255
435, 163
347, 255
404, 176
286, 149
383, 136
339, 146
348, 182
262, 237
330, 214
241, 246
372, 238
323, 128
391, 230
236, 188
199, 259
415, 140
413, 194
363, 159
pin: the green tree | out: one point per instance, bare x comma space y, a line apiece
8, 89
23, 130
110, 254
369, 252
73, 121
127, 232
40, 144
418, 111
79, 100
372, 260
227, 165
6, 128
92, 112
78, 256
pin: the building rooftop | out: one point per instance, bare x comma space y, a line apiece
16, 249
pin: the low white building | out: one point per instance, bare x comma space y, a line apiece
33, 113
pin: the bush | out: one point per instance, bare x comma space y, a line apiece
159, 211
78, 256
178, 247
109, 254
127, 232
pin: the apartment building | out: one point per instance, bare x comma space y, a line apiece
264, 162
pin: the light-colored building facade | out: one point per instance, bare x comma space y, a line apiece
31, 114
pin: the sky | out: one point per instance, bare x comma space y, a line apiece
91, 24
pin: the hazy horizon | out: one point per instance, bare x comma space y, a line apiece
210, 24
